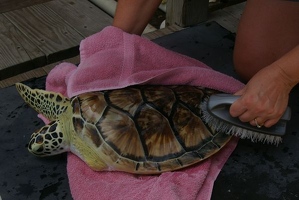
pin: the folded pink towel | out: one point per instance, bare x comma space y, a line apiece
114, 59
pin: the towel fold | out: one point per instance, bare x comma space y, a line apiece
114, 59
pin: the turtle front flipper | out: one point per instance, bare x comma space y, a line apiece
49, 104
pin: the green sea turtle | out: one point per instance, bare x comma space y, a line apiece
139, 129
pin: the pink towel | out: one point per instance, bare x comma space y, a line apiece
114, 59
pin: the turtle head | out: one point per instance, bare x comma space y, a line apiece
49, 140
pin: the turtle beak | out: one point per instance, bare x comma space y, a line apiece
35, 148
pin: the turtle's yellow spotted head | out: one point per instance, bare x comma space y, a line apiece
47, 141
51, 139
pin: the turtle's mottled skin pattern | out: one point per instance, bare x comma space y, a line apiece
46, 141
139, 129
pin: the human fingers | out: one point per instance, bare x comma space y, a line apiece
249, 109
261, 115
276, 116
269, 117
257, 122
237, 109
271, 122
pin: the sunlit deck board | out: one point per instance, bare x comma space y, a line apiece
83, 16
41, 34
35, 73
46, 30
228, 17
9, 5
17, 51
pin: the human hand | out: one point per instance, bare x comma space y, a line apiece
264, 99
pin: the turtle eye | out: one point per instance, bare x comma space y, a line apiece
39, 139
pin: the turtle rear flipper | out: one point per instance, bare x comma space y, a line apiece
49, 104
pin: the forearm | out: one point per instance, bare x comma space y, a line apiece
132, 16
289, 66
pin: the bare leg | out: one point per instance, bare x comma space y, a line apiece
132, 16
268, 29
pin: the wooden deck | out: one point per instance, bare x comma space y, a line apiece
34, 38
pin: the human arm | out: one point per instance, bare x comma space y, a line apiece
265, 97
132, 16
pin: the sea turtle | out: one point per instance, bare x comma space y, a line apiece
144, 129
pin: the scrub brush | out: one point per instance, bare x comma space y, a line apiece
215, 110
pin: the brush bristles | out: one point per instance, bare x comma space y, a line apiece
242, 133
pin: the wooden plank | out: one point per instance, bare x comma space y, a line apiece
82, 15
47, 31
43, 71
186, 12
225, 19
162, 32
222, 4
9, 5
236, 10
22, 77
229, 17
17, 53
